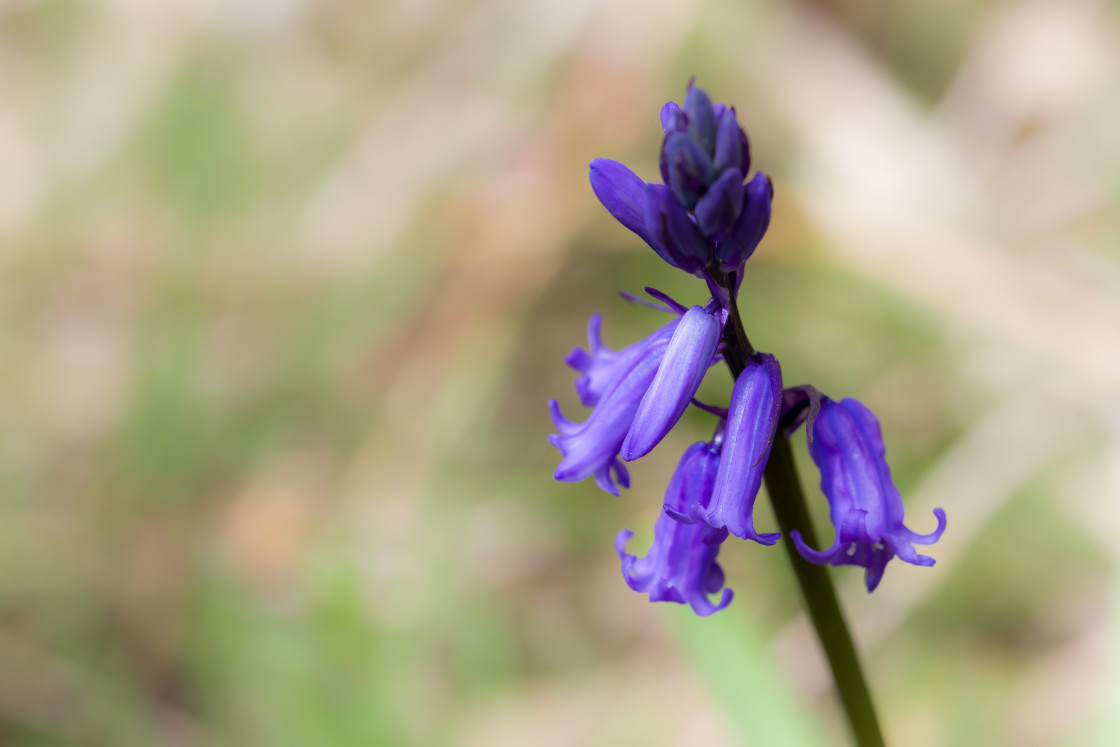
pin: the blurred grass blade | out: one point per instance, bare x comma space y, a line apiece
734, 658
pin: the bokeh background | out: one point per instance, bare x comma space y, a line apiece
285, 285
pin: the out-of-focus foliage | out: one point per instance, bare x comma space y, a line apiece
285, 285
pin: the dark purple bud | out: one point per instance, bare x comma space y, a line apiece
729, 148
686, 360
672, 118
688, 168
745, 150
681, 563
846, 443
622, 193
719, 208
701, 117
753, 221
748, 436
670, 228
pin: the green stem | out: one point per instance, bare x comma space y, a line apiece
784, 488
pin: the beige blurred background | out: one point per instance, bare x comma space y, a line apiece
285, 286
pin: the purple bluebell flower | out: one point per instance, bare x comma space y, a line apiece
639, 393
751, 422
681, 564
846, 443
616, 382
687, 359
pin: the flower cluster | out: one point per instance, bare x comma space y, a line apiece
707, 218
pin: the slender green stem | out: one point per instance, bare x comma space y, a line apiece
819, 594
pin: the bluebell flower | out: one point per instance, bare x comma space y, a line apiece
846, 443
591, 448
639, 393
704, 212
681, 563
752, 420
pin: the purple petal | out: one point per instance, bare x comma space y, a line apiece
622, 193
745, 150
701, 117
673, 230
688, 166
751, 421
751, 226
729, 146
718, 209
673, 118
682, 369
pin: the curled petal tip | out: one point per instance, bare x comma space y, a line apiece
562, 423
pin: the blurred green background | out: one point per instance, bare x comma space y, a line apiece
285, 286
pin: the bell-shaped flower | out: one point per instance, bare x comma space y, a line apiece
687, 359
751, 422
846, 443
681, 563
591, 448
